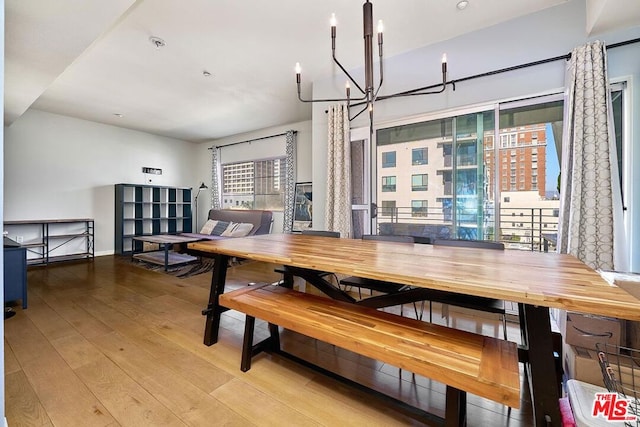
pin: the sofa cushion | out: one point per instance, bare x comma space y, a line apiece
238, 229
207, 228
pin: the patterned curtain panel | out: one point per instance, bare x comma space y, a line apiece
289, 196
586, 228
338, 209
215, 178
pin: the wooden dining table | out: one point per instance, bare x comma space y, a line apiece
536, 281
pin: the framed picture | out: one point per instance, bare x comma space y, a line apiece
303, 207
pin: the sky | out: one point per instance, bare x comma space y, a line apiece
553, 166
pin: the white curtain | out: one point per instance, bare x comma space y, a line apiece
590, 199
338, 209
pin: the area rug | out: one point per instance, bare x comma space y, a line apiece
203, 265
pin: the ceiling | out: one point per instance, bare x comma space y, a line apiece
93, 59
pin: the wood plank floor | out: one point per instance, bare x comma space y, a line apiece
108, 343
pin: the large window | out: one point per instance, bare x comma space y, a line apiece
256, 184
471, 176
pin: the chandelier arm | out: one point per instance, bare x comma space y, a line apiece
348, 100
366, 107
418, 91
421, 90
324, 100
347, 73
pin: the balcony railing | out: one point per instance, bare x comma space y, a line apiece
533, 229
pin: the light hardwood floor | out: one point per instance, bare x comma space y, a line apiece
107, 343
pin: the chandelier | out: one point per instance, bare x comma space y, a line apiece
368, 93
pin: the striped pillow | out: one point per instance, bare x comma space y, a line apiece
220, 228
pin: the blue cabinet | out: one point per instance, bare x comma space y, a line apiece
15, 272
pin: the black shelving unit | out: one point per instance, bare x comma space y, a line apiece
147, 210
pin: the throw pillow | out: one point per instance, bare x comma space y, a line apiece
208, 226
238, 229
220, 228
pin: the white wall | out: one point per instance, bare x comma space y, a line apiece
60, 167
549, 33
303, 161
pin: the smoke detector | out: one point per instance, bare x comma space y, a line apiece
157, 42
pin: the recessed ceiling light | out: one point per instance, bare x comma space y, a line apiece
119, 115
462, 4
206, 73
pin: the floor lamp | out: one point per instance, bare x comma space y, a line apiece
202, 187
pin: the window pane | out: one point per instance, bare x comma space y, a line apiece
419, 208
618, 124
419, 156
357, 172
389, 159
387, 208
388, 183
533, 170
419, 182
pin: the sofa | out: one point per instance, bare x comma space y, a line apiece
229, 223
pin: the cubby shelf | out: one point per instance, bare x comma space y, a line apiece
145, 210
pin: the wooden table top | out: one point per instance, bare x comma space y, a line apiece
536, 278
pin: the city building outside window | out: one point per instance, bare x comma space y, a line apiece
257, 184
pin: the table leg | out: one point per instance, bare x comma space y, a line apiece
537, 339
167, 246
214, 310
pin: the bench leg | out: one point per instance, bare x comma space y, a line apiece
274, 339
247, 343
456, 411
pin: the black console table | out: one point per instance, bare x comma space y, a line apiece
52, 240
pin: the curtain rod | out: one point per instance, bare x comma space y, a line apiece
567, 56
252, 140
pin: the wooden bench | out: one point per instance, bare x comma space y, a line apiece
465, 362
